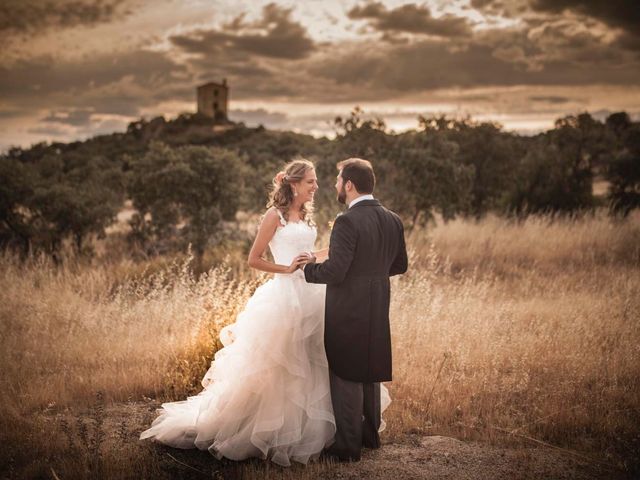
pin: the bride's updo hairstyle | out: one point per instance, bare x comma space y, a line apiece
283, 194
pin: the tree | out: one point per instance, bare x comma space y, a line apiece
618, 123
56, 197
67, 209
623, 172
355, 122
357, 137
557, 172
582, 140
548, 182
487, 154
183, 193
428, 178
264, 152
16, 188
75, 195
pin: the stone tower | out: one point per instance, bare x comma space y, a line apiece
213, 100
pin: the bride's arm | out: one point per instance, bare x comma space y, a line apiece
321, 255
266, 231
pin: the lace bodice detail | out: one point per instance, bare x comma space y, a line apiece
291, 239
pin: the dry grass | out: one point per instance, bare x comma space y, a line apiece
530, 328
85, 329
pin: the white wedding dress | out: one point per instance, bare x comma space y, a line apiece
267, 392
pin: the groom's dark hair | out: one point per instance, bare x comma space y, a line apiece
360, 172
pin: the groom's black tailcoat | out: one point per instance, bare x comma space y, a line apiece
367, 246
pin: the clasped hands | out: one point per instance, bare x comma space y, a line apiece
301, 260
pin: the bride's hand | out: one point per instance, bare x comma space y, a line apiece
297, 262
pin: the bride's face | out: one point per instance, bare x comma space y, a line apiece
307, 187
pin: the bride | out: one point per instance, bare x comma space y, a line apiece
266, 393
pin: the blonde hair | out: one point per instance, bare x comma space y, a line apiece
282, 194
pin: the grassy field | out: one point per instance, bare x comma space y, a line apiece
506, 332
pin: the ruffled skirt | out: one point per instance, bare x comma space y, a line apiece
267, 392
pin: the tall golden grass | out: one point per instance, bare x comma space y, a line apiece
523, 331
502, 331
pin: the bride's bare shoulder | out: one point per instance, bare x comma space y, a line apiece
272, 217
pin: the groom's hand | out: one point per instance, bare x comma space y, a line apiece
309, 258
312, 257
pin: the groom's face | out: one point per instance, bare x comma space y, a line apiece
340, 191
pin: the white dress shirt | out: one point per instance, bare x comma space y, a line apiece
360, 198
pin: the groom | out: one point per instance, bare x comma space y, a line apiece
367, 247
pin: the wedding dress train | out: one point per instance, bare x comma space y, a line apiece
267, 392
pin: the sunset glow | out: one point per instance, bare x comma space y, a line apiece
67, 74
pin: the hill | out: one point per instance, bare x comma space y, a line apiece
56, 192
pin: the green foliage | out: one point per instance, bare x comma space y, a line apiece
623, 172
430, 178
355, 123
187, 174
73, 208
355, 137
265, 152
492, 155
556, 173
64, 195
583, 141
181, 194
548, 182
16, 189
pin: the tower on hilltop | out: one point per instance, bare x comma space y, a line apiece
213, 100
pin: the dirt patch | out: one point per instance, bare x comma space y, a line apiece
437, 457
412, 457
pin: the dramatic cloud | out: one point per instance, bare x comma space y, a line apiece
38, 81
616, 13
78, 67
75, 118
275, 35
33, 16
410, 18
77, 129
430, 64
508, 8
623, 14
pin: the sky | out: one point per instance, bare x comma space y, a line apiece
72, 69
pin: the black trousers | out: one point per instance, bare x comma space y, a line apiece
356, 407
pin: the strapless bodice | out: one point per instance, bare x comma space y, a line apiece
290, 240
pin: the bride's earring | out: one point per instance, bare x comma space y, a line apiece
295, 192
